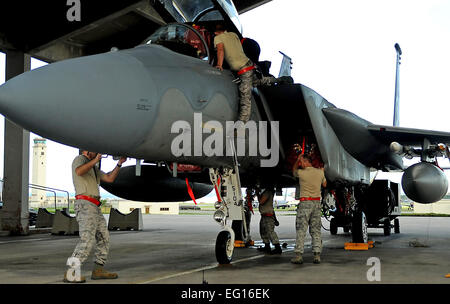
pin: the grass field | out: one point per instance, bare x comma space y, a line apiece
291, 211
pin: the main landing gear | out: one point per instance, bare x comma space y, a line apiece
361, 207
342, 205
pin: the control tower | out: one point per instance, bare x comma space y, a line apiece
39, 176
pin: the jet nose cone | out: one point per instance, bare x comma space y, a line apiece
5, 99
80, 101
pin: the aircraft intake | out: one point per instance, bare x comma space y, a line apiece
424, 183
155, 184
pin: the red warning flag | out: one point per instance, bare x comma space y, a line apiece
303, 146
191, 193
249, 202
217, 190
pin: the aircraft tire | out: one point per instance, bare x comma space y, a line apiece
224, 248
396, 225
333, 226
359, 228
387, 227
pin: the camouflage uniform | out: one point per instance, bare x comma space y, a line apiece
92, 225
93, 231
248, 81
308, 214
267, 223
238, 60
309, 211
267, 230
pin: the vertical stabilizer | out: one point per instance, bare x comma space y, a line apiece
286, 65
396, 122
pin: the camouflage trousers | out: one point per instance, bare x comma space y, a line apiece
267, 230
248, 81
93, 231
308, 214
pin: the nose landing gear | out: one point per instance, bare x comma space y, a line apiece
230, 207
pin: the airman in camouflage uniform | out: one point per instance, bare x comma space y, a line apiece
248, 81
92, 225
267, 222
229, 48
93, 231
309, 207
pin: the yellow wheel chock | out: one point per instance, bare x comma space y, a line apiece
358, 246
239, 244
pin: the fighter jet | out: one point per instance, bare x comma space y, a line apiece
165, 104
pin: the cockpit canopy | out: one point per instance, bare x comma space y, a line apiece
203, 10
181, 38
194, 35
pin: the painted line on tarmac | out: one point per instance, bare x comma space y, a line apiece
178, 274
204, 268
211, 267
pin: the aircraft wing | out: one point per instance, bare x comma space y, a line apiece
408, 136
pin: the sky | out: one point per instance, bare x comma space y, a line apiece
344, 50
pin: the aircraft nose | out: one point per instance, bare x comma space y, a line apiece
80, 101
4, 99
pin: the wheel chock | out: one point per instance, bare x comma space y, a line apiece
358, 246
251, 243
239, 244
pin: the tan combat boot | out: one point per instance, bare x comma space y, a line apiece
101, 274
65, 280
297, 260
316, 259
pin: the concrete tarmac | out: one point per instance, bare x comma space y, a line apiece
179, 249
